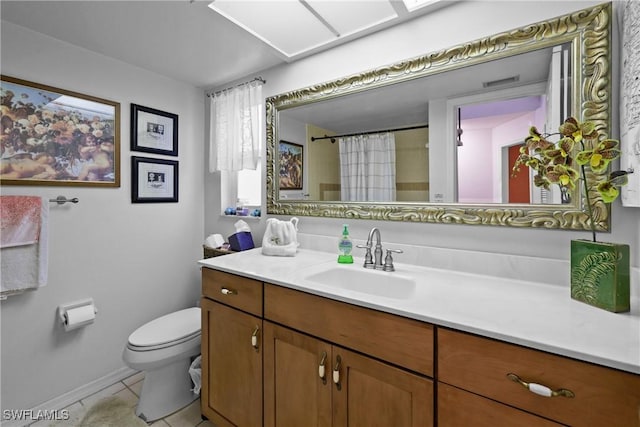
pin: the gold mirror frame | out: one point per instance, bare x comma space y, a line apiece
588, 30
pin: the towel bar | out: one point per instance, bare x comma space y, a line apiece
61, 200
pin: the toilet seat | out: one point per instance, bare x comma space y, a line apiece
166, 331
195, 335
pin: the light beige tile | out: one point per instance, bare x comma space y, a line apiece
133, 379
105, 392
128, 396
206, 423
159, 423
186, 417
136, 387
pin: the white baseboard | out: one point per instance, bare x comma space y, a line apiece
82, 392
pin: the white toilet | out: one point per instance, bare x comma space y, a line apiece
163, 349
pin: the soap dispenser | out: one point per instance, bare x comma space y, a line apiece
344, 247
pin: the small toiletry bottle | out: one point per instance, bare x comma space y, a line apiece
345, 246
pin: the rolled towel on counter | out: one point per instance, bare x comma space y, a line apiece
280, 250
280, 238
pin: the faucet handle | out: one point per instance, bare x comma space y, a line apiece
388, 260
368, 258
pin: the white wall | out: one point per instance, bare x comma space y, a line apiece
455, 24
137, 261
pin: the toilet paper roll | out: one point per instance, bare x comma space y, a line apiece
79, 316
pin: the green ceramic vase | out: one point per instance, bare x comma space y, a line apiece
600, 274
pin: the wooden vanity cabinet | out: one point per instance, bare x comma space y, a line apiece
314, 374
601, 396
269, 354
231, 349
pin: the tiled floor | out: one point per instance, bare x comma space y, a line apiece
129, 390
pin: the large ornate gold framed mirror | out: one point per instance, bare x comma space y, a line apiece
434, 106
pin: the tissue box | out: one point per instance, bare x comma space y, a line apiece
241, 241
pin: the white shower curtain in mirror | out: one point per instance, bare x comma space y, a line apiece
235, 123
368, 167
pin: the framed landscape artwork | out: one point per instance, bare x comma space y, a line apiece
53, 136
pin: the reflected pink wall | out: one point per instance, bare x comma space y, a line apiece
480, 158
475, 167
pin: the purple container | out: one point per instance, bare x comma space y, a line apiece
241, 241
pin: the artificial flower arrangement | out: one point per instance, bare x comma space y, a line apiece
600, 271
554, 163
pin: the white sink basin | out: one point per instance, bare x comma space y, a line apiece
374, 282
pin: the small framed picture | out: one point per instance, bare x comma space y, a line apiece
154, 131
154, 180
290, 162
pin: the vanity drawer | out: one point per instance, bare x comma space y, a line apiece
235, 291
457, 407
395, 339
603, 396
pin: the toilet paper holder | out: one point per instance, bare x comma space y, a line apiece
85, 309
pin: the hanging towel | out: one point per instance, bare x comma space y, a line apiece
19, 220
24, 249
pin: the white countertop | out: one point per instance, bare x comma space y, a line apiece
537, 315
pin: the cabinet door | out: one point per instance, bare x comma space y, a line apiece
231, 366
295, 394
371, 393
460, 408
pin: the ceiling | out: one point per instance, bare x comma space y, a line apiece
184, 40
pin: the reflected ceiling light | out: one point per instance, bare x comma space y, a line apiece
301, 27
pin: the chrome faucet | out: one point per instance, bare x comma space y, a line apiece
375, 261
368, 259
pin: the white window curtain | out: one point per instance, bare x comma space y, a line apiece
368, 168
235, 128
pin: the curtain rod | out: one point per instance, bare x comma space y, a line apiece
255, 79
333, 138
